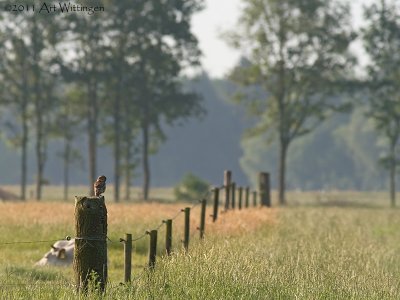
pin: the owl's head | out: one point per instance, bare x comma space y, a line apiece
102, 178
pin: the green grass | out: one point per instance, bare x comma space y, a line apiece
342, 247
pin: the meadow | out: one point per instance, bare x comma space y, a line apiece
323, 245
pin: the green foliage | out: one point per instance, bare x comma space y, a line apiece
340, 154
191, 188
296, 60
382, 39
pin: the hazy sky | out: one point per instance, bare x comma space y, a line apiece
221, 15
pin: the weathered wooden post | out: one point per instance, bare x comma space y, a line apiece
264, 189
247, 197
227, 185
187, 228
128, 257
90, 255
168, 236
233, 195
216, 203
254, 198
203, 218
240, 190
152, 248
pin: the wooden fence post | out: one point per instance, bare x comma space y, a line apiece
254, 198
227, 185
233, 195
216, 203
247, 197
90, 255
264, 189
153, 248
203, 217
128, 257
240, 197
168, 236
187, 228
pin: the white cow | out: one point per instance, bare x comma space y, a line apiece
61, 254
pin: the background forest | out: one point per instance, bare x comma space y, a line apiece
84, 94
341, 154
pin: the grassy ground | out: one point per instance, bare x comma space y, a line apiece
322, 246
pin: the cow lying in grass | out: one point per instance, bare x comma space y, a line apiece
60, 254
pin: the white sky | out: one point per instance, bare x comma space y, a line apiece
221, 15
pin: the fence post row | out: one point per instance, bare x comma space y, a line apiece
187, 228
264, 189
128, 257
247, 197
203, 217
227, 185
168, 236
90, 255
153, 248
216, 203
240, 190
233, 195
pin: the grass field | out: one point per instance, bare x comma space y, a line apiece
322, 246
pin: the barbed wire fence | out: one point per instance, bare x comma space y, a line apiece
230, 192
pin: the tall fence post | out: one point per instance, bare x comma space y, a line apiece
216, 203
254, 198
152, 248
264, 189
203, 218
227, 185
128, 257
233, 195
90, 255
168, 236
240, 190
187, 228
247, 197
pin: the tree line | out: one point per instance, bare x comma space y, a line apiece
298, 69
112, 77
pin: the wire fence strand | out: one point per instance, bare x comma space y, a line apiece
205, 196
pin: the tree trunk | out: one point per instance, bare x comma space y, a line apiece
38, 115
67, 159
282, 172
393, 175
145, 158
39, 156
128, 168
393, 185
24, 146
92, 132
117, 145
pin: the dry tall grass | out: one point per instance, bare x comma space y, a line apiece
127, 217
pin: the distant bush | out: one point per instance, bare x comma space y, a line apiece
191, 188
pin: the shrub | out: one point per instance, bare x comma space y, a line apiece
191, 188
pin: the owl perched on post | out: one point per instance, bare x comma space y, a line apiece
100, 186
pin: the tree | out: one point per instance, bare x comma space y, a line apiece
16, 97
382, 43
296, 55
122, 30
86, 69
33, 40
167, 47
67, 126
